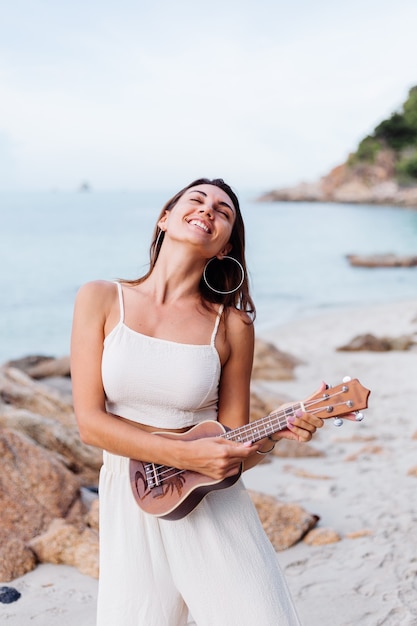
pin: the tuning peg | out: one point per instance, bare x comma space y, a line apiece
346, 379
337, 422
359, 416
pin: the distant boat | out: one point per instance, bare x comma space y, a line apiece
84, 187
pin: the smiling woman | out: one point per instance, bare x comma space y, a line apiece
198, 196
151, 358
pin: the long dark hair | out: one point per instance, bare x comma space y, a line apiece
226, 274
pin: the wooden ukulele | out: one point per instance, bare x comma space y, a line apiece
171, 493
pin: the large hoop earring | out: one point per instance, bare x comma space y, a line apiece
158, 241
224, 293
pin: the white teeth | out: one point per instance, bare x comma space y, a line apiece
200, 225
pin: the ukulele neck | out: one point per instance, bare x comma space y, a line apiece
264, 427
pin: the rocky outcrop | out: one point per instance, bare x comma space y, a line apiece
43, 465
363, 183
382, 170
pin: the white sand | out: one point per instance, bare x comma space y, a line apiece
370, 580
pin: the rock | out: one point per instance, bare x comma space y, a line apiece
19, 390
377, 344
62, 543
16, 558
46, 417
34, 488
9, 594
62, 440
358, 534
270, 363
26, 470
381, 260
42, 366
303, 192
62, 385
321, 537
285, 524
92, 517
363, 183
412, 471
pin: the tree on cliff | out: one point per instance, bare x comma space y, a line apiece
398, 134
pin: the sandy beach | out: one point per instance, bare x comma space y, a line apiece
360, 488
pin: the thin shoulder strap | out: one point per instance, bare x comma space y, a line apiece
121, 305
216, 325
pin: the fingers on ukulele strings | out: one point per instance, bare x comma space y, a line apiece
291, 418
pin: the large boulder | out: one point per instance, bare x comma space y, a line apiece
61, 440
285, 524
34, 489
270, 363
47, 417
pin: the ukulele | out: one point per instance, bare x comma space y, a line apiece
171, 493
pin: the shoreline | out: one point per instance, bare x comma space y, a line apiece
361, 488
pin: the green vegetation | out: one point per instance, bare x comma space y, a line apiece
399, 134
406, 168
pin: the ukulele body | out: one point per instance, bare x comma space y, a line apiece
169, 493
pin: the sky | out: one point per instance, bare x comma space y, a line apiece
145, 94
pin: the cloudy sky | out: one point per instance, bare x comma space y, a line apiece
134, 94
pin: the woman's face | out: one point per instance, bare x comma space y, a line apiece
204, 216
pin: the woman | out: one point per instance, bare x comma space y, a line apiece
165, 352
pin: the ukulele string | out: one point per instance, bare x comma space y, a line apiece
275, 418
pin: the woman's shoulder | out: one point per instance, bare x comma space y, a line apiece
97, 294
101, 288
238, 322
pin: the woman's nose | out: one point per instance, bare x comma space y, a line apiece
207, 210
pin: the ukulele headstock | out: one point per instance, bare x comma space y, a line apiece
348, 398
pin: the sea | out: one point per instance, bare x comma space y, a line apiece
53, 242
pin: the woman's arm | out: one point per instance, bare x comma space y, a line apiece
234, 392
234, 389
95, 306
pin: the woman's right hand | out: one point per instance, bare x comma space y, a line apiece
215, 457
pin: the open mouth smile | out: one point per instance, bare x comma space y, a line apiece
200, 224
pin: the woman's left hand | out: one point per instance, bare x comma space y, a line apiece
300, 427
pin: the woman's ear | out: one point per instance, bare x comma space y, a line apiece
162, 221
227, 248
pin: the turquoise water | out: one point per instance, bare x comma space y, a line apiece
51, 243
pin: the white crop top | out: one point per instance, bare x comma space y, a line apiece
158, 382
